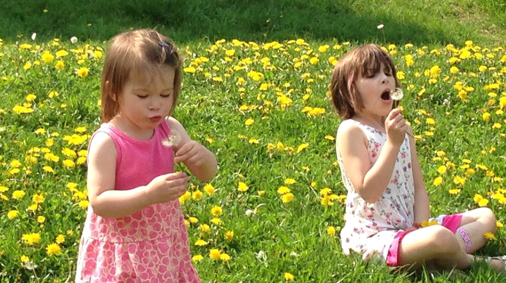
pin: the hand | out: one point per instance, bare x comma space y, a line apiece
166, 187
396, 126
191, 153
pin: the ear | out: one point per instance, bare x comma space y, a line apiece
108, 87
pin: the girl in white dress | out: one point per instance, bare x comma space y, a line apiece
387, 199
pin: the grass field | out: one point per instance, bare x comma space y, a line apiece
260, 102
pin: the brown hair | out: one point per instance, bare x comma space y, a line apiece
127, 52
362, 61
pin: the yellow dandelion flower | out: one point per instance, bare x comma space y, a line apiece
209, 189
12, 214
283, 190
441, 169
459, 180
186, 196
477, 198
242, 187
225, 257
24, 259
82, 72
290, 181
189, 70
59, 65
214, 254
200, 243
216, 221
486, 116
437, 181
489, 236
249, 122
302, 147
331, 230
229, 235
38, 198
289, 276
69, 163
205, 228
60, 239
193, 219
53, 249
483, 202
216, 211
286, 198
197, 258
31, 239
197, 195
83, 204
426, 223
47, 57
454, 191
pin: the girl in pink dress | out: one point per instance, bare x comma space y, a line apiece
135, 230
387, 199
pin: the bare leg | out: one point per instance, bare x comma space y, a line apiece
476, 223
436, 244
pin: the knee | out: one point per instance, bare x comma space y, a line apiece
487, 217
444, 241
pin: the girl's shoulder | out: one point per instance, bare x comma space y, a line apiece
349, 126
350, 131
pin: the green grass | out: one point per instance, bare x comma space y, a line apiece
214, 106
420, 22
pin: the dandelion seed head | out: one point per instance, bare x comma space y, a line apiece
397, 94
173, 140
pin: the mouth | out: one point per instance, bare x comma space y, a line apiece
155, 119
385, 96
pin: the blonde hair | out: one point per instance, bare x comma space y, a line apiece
362, 61
130, 51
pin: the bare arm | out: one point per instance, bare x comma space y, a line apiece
371, 180
422, 209
108, 202
200, 160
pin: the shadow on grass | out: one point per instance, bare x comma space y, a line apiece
186, 21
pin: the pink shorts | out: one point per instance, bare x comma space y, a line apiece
451, 222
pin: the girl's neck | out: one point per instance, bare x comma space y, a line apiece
130, 131
377, 122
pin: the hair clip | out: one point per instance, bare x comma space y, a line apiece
165, 45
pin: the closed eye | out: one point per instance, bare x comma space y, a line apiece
142, 96
165, 95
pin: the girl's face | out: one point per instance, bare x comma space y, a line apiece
146, 100
374, 89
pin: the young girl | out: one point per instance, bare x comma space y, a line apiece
135, 230
387, 198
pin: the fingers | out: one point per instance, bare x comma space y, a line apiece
394, 113
189, 153
176, 176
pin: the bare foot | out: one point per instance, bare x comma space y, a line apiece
497, 262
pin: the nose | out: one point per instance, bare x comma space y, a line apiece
154, 104
384, 79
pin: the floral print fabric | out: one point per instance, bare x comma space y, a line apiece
371, 227
150, 245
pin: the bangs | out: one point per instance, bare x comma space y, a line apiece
371, 58
146, 72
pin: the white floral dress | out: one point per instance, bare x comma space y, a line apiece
371, 227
